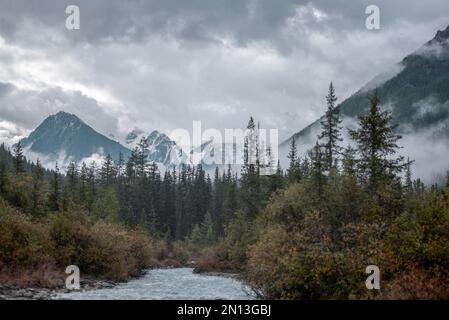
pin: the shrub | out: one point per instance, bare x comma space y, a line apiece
32, 252
24, 244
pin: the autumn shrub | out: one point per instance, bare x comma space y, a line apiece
70, 236
115, 252
302, 264
299, 254
37, 251
215, 258
23, 243
415, 283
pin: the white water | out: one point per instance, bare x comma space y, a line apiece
168, 284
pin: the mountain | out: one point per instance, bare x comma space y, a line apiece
416, 91
161, 148
64, 137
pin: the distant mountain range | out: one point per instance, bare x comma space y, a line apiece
65, 138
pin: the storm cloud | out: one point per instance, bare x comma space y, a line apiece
162, 64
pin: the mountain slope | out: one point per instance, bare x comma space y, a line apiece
64, 137
417, 95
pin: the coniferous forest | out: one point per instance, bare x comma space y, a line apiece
307, 231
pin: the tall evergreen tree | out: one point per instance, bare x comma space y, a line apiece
294, 169
107, 171
218, 203
141, 160
317, 177
84, 172
4, 178
39, 190
408, 184
55, 194
377, 147
331, 130
19, 159
250, 178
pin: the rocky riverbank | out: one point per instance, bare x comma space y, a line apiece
12, 292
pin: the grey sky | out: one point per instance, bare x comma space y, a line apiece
162, 64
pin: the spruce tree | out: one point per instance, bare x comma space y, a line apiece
408, 185
217, 204
250, 178
83, 182
107, 171
294, 169
141, 158
39, 190
19, 159
4, 178
317, 177
377, 147
55, 194
331, 130
350, 188
71, 186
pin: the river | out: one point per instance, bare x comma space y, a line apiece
168, 284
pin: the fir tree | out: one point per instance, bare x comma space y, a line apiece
19, 159
83, 182
39, 190
4, 178
107, 171
294, 169
55, 194
408, 185
377, 147
331, 130
318, 166
250, 178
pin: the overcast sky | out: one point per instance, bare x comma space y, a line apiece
162, 64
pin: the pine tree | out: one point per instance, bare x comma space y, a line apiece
276, 181
331, 130
106, 206
408, 185
54, 197
230, 203
350, 188
152, 223
208, 230
141, 160
377, 147
107, 171
120, 166
318, 166
84, 172
294, 169
39, 190
19, 159
71, 187
250, 177
91, 185
4, 178
218, 203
